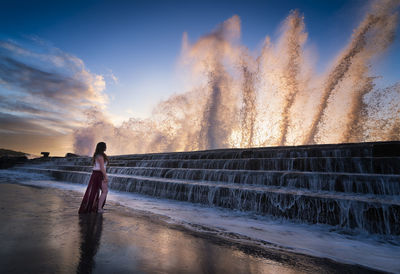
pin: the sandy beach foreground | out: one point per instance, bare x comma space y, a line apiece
41, 232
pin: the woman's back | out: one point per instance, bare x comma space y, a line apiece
97, 164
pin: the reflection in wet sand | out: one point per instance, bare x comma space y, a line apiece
155, 248
41, 232
37, 232
91, 226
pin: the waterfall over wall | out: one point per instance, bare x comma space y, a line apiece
355, 187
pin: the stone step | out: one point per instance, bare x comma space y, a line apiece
377, 165
374, 214
372, 149
381, 165
341, 182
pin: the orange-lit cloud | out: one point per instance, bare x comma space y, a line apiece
44, 94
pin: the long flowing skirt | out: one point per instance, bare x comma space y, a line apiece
91, 198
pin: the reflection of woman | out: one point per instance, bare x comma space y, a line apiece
91, 201
90, 227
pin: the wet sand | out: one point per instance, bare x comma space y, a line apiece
41, 232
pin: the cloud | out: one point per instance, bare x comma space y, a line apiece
112, 76
12, 47
13, 124
71, 86
52, 86
45, 91
10, 104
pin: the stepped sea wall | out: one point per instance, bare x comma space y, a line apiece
355, 187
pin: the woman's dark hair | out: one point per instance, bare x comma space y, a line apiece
100, 148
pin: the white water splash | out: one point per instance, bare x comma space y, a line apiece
240, 98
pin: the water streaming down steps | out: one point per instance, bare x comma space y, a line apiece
352, 186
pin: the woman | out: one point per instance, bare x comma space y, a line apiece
91, 201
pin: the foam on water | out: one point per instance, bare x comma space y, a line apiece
378, 251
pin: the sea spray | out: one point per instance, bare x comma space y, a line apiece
241, 98
295, 37
375, 34
219, 111
248, 109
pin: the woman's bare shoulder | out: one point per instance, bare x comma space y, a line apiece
99, 157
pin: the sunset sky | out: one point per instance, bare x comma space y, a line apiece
59, 58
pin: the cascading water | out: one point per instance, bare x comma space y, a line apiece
355, 187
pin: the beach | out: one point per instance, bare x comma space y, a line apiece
41, 232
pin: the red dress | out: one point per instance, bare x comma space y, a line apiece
90, 200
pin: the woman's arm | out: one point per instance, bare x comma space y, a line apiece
103, 170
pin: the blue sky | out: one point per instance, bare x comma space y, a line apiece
139, 42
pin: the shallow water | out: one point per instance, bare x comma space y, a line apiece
42, 232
